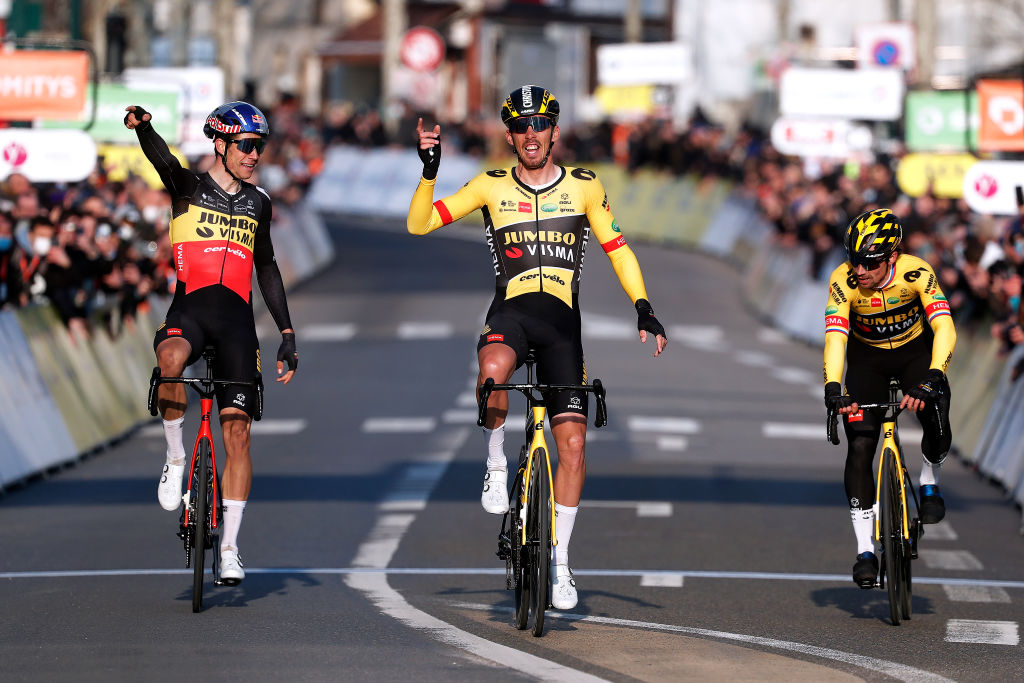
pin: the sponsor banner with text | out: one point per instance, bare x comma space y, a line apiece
868, 94
1001, 106
940, 174
821, 138
938, 121
42, 84
46, 156
111, 100
990, 187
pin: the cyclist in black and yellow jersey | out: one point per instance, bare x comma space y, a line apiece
220, 234
887, 317
538, 218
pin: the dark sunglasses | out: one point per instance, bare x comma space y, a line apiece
538, 122
247, 145
873, 264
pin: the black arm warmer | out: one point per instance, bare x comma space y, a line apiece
272, 287
176, 179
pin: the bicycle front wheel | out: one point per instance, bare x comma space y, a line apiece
539, 531
520, 557
200, 522
906, 556
892, 528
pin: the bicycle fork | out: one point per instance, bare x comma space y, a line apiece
206, 432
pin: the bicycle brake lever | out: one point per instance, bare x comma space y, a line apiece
483, 394
832, 427
153, 383
601, 419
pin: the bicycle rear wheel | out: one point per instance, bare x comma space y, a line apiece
520, 557
200, 521
906, 557
540, 539
892, 547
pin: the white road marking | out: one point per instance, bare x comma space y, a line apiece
793, 430
397, 425
460, 416
376, 553
662, 580
327, 332
672, 443
955, 560
670, 425
697, 335
412, 490
644, 508
895, 670
795, 375
263, 427
976, 593
425, 330
602, 327
498, 571
754, 359
466, 399
771, 335
985, 632
940, 532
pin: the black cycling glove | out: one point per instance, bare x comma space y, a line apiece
835, 398
646, 320
139, 113
930, 388
286, 352
431, 159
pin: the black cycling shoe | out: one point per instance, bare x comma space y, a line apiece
865, 570
933, 508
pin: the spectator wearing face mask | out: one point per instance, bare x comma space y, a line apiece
11, 283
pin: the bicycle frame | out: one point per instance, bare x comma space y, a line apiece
890, 442
206, 407
539, 413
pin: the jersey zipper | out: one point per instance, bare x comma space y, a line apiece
227, 244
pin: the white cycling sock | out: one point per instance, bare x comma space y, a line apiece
175, 449
232, 521
565, 518
863, 527
929, 472
495, 439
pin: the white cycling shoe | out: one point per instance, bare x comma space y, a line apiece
494, 497
563, 587
168, 492
231, 572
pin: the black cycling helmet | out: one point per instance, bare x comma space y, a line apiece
529, 100
236, 117
872, 237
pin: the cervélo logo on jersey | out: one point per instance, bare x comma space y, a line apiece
545, 242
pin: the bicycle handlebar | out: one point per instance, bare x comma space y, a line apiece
832, 421
527, 390
204, 386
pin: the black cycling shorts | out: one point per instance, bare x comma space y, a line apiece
217, 316
545, 324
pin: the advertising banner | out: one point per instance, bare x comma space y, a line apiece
202, 91
120, 161
889, 44
861, 94
42, 84
46, 156
1001, 106
938, 121
942, 174
991, 187
111, 100
819, 138
644, 64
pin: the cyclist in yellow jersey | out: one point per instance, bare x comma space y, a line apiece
887, 316
538, 217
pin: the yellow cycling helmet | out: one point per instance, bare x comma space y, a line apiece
872, 237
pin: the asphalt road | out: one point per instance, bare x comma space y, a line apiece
712, 542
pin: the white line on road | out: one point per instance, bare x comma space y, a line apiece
770, 335
940, 532
425, 330
643, 508
672, 443
327, 332
399, 425
986, 632
976, 593
950, 559
793, 430
704, 336
456, 416
754, 359
661, 580
264, 427
795, 376
669, 425
895, 670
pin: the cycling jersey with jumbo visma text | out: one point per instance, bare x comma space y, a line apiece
887, 317
537, 238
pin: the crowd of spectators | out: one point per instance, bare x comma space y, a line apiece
103, 246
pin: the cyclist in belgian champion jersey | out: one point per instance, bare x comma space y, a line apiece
220, 233
538, 216
887, 316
